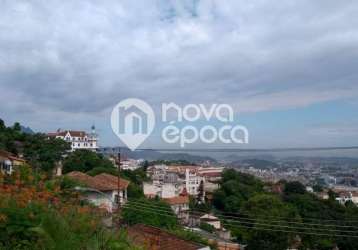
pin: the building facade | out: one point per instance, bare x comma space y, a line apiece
8, 162
102, 190
78, 139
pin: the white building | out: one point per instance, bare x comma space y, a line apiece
344, 196
162, 190
193, 181
130, 164
211, 220
212, 177
78, 139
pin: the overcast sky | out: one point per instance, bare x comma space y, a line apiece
289, 68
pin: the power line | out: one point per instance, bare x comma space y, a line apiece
257, 219
294, 232
256, 228
260, 224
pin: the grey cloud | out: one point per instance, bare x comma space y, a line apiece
84, 56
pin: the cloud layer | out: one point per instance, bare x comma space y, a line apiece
64, 58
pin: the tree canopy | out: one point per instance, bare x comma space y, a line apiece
40, 151
151, 212
85, 160
243, 196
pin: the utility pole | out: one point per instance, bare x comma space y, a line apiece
119, 179
119, 187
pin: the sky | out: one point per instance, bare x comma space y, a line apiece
288, 68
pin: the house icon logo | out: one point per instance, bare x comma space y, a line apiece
132, 120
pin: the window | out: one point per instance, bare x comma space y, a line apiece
116, 200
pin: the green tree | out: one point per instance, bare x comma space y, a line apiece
260, 209
317, 188
294, 187
151, 212
235, 189
84, 160
42, 152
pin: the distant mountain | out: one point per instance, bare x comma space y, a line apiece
235, 157
27, 130
256, 163
152, 155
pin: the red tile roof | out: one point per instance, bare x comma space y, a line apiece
10, 156
210, 174
154, 238
4, 153
102, 182
184, 192
177, 200
73, 133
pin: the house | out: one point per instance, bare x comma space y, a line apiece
130, 164
211, 174
152, 238
102, 189
180, 206
211, 220
157, 172
212, 177
224, 245
193, 181
162, 190
8, 162
344, 196
323, 195
78, 139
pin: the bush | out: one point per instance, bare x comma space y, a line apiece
207, 227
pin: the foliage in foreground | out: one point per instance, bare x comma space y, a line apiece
34, 217
155, 212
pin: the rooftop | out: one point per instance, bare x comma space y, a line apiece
155, 238
73, 133
177, 200
102, 182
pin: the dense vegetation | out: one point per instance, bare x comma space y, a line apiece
244, 198
44, 215
145, 211
157, 213
38, 211
40, 152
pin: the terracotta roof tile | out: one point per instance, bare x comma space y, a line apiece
155, 238
210, 174
102, 182
177, 200
72, 133
10, 156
